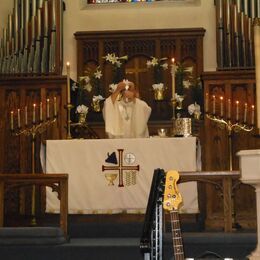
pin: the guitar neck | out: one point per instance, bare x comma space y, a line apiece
176, 236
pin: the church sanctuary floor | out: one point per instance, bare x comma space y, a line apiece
118, 236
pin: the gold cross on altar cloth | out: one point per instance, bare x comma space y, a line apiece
120, 167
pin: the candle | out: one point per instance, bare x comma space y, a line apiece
257, 64
237, 110
245, 113
55, 106
229, 109
19, 117
34, 113
221, 107
173, 78
12, 120
26, 115
68, 82
207, 103
252, 115
41, 111
48, 108
214, 105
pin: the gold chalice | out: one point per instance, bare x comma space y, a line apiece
111, 177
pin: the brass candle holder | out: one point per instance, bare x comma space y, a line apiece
33, 131
230, 127
69, 107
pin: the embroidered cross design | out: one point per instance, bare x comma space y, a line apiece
120, 167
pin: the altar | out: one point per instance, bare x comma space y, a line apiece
114, 175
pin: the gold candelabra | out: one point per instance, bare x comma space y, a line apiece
69, 107
230, 127
32, 131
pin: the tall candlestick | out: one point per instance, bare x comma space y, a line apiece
252, 115
173, 67
245, 113
207, 103
26, 115
257, 65
34, 113
214, 105
55, 106
12, 120
68, 82
41, 111
48, 109
229, 109
237, 110
221, 107
19, 117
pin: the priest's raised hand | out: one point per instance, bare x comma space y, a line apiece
125, 114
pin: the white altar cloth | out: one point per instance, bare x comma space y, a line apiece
89, 192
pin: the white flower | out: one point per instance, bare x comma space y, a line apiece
154, 61
74, 86
98, 74
96, 98
159, 86
82, 109
112, 87
188, 70
194, 109
164, 66
186, 83
88, 87
149, 64
179, 98
84, 80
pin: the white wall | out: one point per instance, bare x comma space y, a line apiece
144, 16
133, 16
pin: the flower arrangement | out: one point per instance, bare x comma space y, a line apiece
117, 64
189, 87
158, 65
91, 82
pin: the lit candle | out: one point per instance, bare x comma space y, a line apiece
229, 109
253, 115
245, 113
237, 110
19, 117
26, 115
34, 113
68, 82
207, 103
12, 120
41, 111
173, 78
55, 106
48, 109
221, 107
214, 105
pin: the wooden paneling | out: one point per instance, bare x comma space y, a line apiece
15, 151
234, 85
185, 45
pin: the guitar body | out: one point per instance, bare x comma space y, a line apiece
172, 201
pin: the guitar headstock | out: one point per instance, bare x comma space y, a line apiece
172, 198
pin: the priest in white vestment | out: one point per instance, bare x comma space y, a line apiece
126, 115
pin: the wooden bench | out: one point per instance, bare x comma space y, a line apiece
58, 182
225, 181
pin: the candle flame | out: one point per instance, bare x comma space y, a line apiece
221, 98
34, 105
253, 107
68, 64
237, 102
173, 60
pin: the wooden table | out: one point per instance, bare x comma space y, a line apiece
225, 181
59, 183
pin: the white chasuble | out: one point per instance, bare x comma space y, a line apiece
126, 120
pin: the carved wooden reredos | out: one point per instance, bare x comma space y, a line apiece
185, 45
